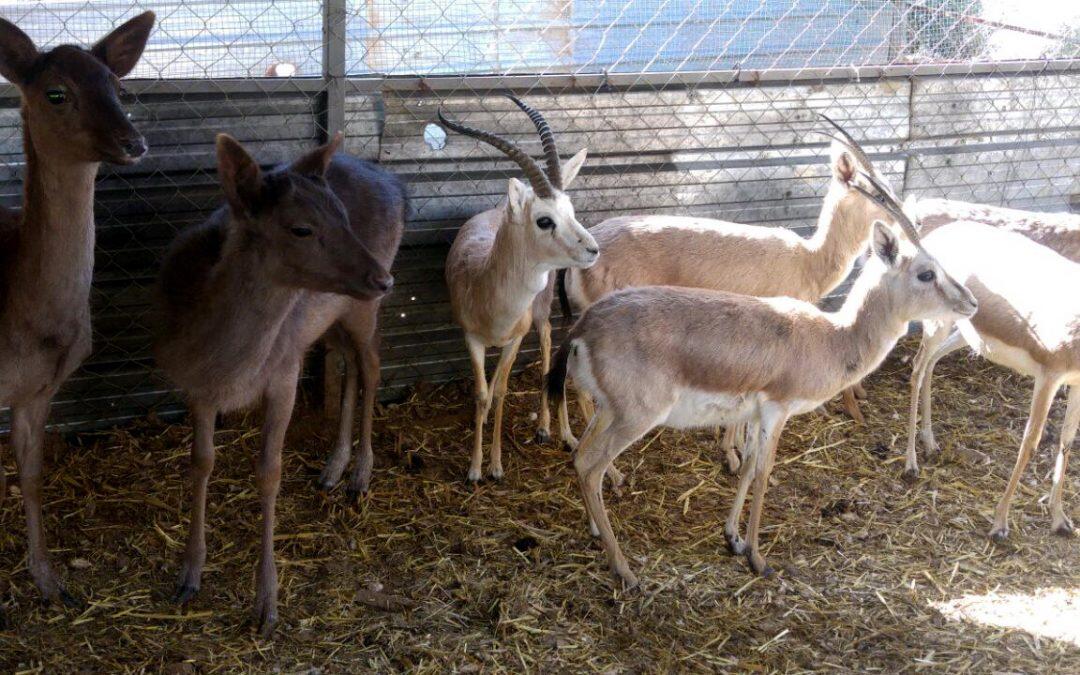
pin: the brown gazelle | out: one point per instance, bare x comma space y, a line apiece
723, 256
502, 260
298, 250
72, 121
683, 358
1024, 323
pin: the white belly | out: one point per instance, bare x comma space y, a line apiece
695, 408
1002, 354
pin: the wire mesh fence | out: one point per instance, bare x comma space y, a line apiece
701, 107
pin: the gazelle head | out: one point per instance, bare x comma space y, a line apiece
541, 211
846, 160
297, 224
913, 279
71, 95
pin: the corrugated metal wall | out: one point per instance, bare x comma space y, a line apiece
737, 151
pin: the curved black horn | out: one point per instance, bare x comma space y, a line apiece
547, 140
539, 181
850, 142
884, 198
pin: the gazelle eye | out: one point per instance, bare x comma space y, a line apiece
545, 223
301, 231
927, 276
56, 96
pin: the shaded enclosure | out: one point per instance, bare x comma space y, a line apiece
686, 107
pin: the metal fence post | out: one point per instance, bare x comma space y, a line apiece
334, 25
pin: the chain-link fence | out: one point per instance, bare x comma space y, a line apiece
687, 106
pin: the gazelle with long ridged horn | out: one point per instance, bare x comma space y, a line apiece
686, 358
502, 259
1024, 323
723, 256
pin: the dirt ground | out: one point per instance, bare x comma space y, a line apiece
874, 573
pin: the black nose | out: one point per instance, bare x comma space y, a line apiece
593, 250
134, 147
382, 284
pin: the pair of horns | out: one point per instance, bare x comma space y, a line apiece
543, 184
883, 194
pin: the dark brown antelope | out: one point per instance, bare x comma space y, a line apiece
297, 251
72, 121
499, 272
684, 358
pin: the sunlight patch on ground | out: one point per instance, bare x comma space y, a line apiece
1046, 613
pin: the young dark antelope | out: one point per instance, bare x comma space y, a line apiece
297, 251
684, 358
72, 121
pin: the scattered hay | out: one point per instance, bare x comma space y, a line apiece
430, 574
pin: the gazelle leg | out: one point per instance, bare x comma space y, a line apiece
202, 465
1060, 523
28, 440
482, 403
750, 447
585, 404
730, 446
773, 418
952, 343
1045, 389
591, 461
933, 336
278, 406
859, 390
543, 430
370, 364
339, 458
565, 433
851, 406
499, 386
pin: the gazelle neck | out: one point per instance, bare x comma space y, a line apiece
867, 326
839, 238
512, 272
54, 265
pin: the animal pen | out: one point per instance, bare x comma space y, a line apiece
707, 108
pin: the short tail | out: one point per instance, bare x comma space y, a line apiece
564, 299
555, 381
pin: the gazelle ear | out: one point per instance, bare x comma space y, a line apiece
842, 163
516, 194
886, 243
121, 49
316, 162
571, 167
17, 53
240, 176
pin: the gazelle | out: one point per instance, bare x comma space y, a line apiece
1058, 231
296, 251
72, 121
685, 358
1022, 324
723, 256
499, 268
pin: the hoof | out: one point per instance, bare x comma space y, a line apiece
629, 579
69, 600
760, 567
264, 624
735, 544
355, 494
496, 474
911, 474
474, 476
1063, 529
184, 594
324, 487
567, 446
3, 620
999, 534
542, 437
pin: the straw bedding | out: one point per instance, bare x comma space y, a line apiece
429, 574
